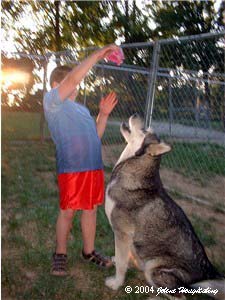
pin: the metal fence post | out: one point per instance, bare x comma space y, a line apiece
196, 109
151, 84
170, 107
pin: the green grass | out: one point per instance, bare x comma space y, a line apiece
112, 135
29, 212
215, 125
198, 160
21, 126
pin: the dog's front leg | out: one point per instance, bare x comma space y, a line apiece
122, 247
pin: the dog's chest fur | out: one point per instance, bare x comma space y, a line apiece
109, 203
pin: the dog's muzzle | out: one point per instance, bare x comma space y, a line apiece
125, 127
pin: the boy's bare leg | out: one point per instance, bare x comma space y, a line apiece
63, 226
88, 227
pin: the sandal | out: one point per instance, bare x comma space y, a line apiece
98, 259
59, 263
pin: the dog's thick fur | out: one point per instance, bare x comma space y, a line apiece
148, 225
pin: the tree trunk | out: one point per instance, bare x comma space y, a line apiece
57, 26
126, 25
57, 29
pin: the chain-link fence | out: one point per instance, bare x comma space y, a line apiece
176, 85
189, 104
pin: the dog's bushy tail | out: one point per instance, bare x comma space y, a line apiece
213, 285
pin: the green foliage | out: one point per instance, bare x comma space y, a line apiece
182, 17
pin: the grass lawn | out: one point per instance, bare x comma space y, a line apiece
200, 161
29, 211
21, 126
26, 126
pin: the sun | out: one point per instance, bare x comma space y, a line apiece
8, 77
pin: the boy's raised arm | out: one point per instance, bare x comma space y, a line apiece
73, 79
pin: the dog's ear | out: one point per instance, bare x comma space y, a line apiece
158, 149
153, 146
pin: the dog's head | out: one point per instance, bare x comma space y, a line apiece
140, 141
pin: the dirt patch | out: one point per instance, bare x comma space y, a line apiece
216, 221
214, 192
5, 167
82, 277
29, 230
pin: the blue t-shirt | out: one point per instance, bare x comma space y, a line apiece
73, 130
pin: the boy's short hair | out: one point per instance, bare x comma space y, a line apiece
59, 73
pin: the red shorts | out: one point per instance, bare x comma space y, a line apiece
81, 190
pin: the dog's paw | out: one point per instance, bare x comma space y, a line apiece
113, 283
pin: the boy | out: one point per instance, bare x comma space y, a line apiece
78, 157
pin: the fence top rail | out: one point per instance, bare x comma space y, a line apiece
192, 37
22, 54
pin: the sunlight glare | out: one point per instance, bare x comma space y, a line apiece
12, 76
11, 99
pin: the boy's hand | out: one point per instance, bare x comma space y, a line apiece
107, 104
106, 51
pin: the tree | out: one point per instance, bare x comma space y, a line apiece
59, 25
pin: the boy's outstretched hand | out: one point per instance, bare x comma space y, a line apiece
105, 108
108, 103
106, 51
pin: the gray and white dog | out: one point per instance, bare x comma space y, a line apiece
148, 225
